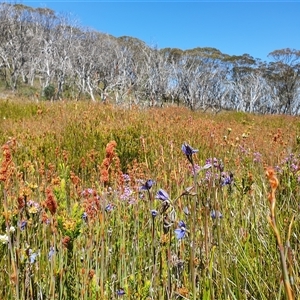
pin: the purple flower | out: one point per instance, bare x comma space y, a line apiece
120, 292
188, 150
33, 206
217, 163
127, 194
51, 253
147, 186
126, 177
162, 195
23, 225
243, 150
226, 179
154, 213
216, 214
32, 256
294, 167
84, 217
181, 230
257, 157
109, 207
209, 176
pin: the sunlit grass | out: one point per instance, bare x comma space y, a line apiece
101, 241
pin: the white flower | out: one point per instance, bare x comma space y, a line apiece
3, 239
12, 229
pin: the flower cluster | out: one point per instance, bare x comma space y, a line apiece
214, 163
257, 157
214, 171
127, 193
32, 206
290, 166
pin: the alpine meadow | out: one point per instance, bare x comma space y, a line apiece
129, 172
99, 202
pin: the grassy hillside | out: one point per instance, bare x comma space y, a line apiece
80, 220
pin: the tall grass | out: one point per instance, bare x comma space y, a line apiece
79, 221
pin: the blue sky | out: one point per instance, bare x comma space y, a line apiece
233, 27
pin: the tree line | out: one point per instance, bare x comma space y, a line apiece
53, 54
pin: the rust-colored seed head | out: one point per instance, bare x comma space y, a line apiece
51, 203
7, 159
110, 148
110, 157
21, 202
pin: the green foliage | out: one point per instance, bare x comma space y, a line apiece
10, 109
49, 92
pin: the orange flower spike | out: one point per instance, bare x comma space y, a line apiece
270, 173
272, 178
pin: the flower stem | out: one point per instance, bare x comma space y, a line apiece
193, 233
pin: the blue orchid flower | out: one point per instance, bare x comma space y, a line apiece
216, 214
162, 195
154, 213
188, 151
180, 231
147, 186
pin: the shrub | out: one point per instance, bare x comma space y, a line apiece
49, 92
